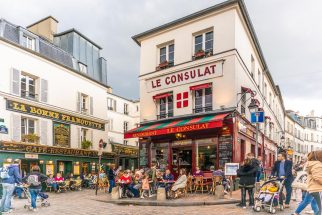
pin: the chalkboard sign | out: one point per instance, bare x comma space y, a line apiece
143, 155
225, 148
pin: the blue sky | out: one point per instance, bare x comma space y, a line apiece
289, 31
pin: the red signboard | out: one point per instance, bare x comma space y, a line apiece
186, 128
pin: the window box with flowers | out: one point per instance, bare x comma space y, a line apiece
30, 138
86, 144
199, 54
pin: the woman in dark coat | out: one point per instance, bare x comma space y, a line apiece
247, 174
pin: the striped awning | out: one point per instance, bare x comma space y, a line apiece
176, 126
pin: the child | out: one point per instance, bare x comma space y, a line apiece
268, 191
145, 186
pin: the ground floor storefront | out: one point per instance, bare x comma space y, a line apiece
208, 141
126, 157
53, 160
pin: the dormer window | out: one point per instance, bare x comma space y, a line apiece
28, 42
82, 68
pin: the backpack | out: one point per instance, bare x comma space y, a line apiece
4, 173
33, 180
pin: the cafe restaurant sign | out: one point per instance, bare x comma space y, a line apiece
123, 150
190, 75
41, 149
186, 128
54, 115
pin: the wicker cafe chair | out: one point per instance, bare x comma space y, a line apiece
78, 184
63, 186
189, 184
199, 184
49, 187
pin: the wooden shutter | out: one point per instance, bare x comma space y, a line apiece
43, 132
114, 105
91, 110
91, 137
78, 102
43, 90
15, 81
16, 127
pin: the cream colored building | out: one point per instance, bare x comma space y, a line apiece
201, 64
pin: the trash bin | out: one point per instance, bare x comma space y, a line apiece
236, 184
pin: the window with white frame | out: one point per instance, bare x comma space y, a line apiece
265, 91
167, 54
82, 67
28, 126
126, 109
28, 86
259, 81
125, 142
165, 107
84, 103
203, 100
84, 134
111, 104
204, 42
29, 42
125, 126
243, 101
252, 69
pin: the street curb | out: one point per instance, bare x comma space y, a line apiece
169, 203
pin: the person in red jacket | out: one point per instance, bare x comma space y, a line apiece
125, 180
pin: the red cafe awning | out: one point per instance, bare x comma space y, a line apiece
176, 126
162, 95
200, 86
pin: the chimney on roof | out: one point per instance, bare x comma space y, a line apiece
46, 27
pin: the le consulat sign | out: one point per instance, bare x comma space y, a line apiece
54, 115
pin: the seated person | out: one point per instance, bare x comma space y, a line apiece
102, 174
198, 172
72, 182
59, 179
268, 191
180, 183
168, 177
51, 182
125, 181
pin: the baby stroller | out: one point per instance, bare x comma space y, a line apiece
270, 200
42, 199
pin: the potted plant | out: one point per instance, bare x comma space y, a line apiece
163, 65
200, 53
30, 138
86, 144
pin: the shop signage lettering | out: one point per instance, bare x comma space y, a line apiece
41, 149
122, 150
186, 128
186, 76
57, 116
61, 134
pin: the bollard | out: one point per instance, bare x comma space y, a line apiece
115, 193
219, 193
161, 195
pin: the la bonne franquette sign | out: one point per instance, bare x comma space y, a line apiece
187, 76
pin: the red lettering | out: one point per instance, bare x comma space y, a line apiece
213, 68
173, 79
186, 75
199, 73
207, 71
167, 80
180, 77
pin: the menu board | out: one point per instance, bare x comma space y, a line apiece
61, 134
143, 155
225, 148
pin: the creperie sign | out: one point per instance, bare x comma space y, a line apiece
191, 75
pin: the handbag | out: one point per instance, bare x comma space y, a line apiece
300, 181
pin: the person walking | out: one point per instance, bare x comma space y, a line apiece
111, 177
34, 180
8, 185
283, 169
260, 169
314, 170
247, 174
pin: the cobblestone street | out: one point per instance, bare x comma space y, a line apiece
84, 202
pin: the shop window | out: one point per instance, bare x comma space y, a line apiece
207, 156
203, 100
160, 154
28, 87
165, 107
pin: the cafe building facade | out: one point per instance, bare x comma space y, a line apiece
199, 76
50, 101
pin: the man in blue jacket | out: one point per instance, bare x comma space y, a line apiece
283, 169
8, 186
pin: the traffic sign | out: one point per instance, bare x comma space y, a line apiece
257, 117
3, 129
